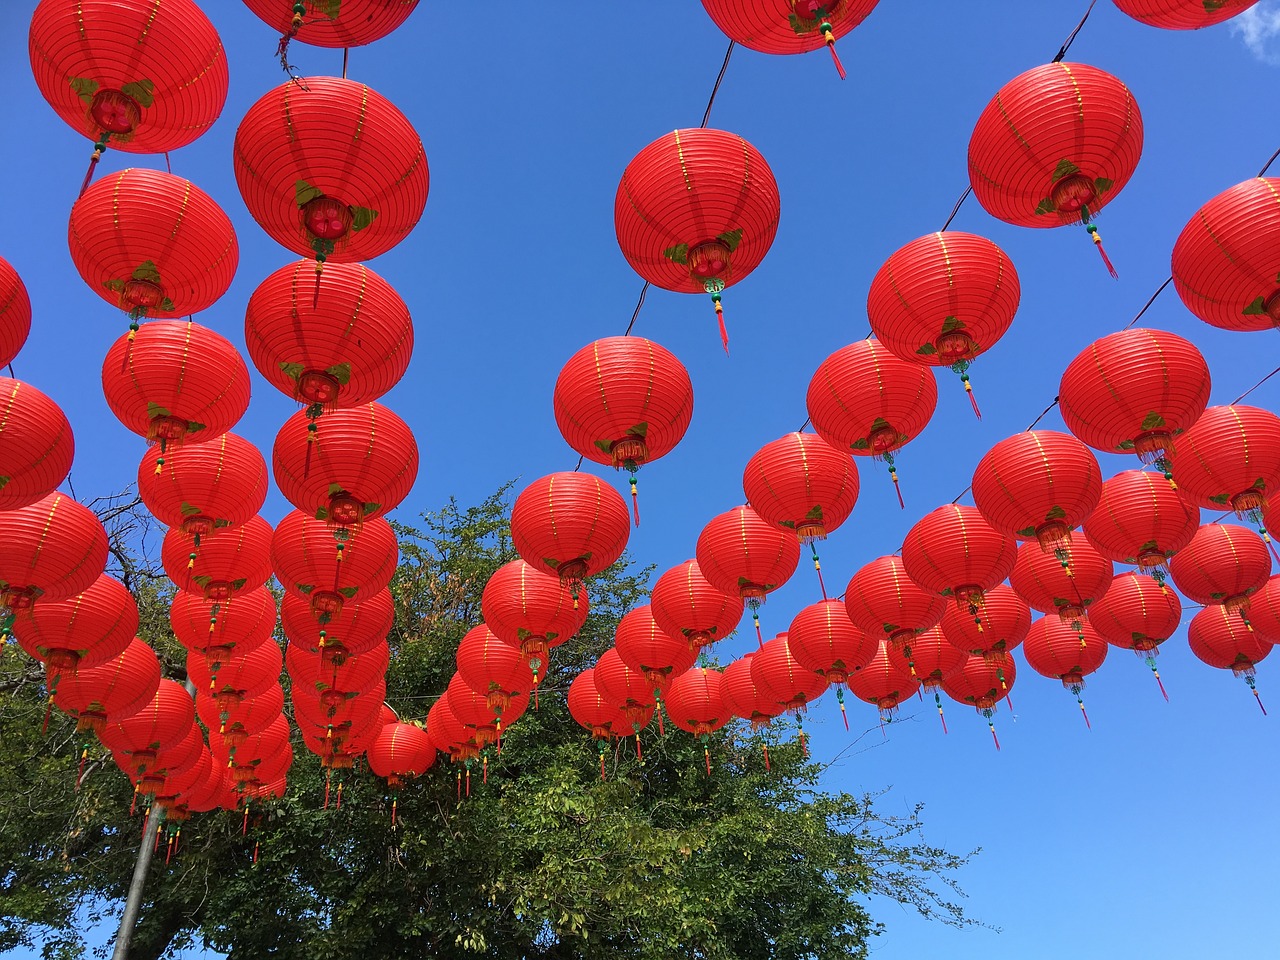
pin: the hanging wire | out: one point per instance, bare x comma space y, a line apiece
706, 116
1256, 385
1267, 166
1150, 301
1072, 37
956, 209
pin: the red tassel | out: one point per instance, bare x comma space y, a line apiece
993, 734
1097, 242
255, 851
639, 752
468, 781
393, 813
1270, 544
817, 566
485, 768
767, 768
80, 772
893, 473
724, 332
338, 806
759, 636
93, 162
1085, 713
168, 852
157, 844
973, 401
831, 45
134, 804
706, 753
635, 502
844, 715
1259, 699
459, 785
244, 827
938, 700
661, 730
327, 781
1161, 684
602, 767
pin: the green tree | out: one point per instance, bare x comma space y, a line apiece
544, 860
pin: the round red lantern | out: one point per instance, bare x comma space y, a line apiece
1055, 146
333, 683
883, 683
240, 678
1067, 584
450, 737
15, 313
240, 721
944, 299
84, 631
570, 525
493, 668
1222, 640
694, 704
1183, 14
744, 698
589, 707
696, 212
1137, 614
1140, 519
161, 723
629, 690
342, 350
311, 561
400, 752
474, 710
824, 640
1038, 484
141, 76
208, 486
930, 658
345, 723
982, 686
1223, 564
175, 381
686, 604
237, 560
152, 244
644, 648
1229, 459
361, 465
1264, 611
1003, 624
323, 23
865, 400
742, 554
118, 688
802, 483
885, 603
1135, 391
355, 629
531, 612
36, 445
782, 678
222, 629
332, 169
788, 26
1065, 652
147, 769
953, 551
53, 549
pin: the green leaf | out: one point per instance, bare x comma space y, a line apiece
327, 8
814, 513
1065, 168
1102, 184
195, 426
116, 285
552, 563
798, 27
860, 444
639, 430
677, 254
927, 350
166, 305
155, 410
1027, 532
1220, 498
5, 481
147, 271
187, 510
948, 592
1045, 206
239, 584
141, 90
292, 370
304, 193
1055, 513
789, 524
340, 372
305, 588
361, 217
605, 446
951, 324
221, 524
335, 489
731, 239
349, 592
371, 508
1125, 445
891, 628
1148, 546
201, 580
1059, 602
1213, 6
84, 88
1152, 420
322, 513
1256, 308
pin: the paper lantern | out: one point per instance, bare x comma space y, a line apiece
1003, 624
788, 26
802, 483
36, 444
493, 668
686, 604
161, 723
982, 686
644, 647
629, 690
930, 658
1223, 564
15, 313
1137, 614
118, 688
531, 612
237, 560
741, 554
323, 23
696, 212
232, 726
474, 710
149, 770
222, 629
824, 640
596, 714
744, 698
783, 679
207, 487
1066, 584
333, 683
1065, 652
885, 603
1264, 610
53, 549
695, 705
1140, 519
1222, 640
355, 629
883, 684
953, 551
400, 752
84, 631
1230, 459
1183, 14
240, 678
311, 562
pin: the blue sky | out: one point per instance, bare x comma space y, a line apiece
1148, 835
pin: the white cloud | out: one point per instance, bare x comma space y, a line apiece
1259, 28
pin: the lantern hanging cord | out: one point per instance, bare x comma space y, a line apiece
1147, 305
1256, 385
959, 203
706, 116
644, 291
1267, 165
1072, 37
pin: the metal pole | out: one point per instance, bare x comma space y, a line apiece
133, 905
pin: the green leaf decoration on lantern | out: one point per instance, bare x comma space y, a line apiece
322, 513
291, 370
116, 285
1137, 637
1255, 309
891, 627
1059, 602
860, 444
815, 513
84, 88
1125, 445
167, 305
327, 8
1027, 532
146, 271
1102, 184
639, 430
1218, 595
1045, 206
155, 410
340, 372
1149, 545
141, 90
4, 482
201, 581
1261, 483
335, 489
221, 524
797, 26
187, 510
1213, 6
305, 588
349, 592
523, 634
551, 636
605, 445
731, 239
927, 350
678, 254
371, 508
1152, 420
195, 426
1219, 498
239, 584
948, 592
551, 562
789, 524
304, 193
1055, 513
951, 324
361, 217
1065, 168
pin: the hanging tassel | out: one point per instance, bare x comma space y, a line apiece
134, 804
1266, 537
1097, 242
993, 733
755, 616
1151, 662
938, 700
635, 501
244, 826
1254, 689
1083, 712
830, 37
168, 851
337, 569
338, 806
328, 778
393, 813
315, 297
639, 752
159, 466
84, 755
973, 401
844, 715
468, 781
459, 786
602, 753
99, 146
818, 567
724, 332
128, 353
767, 768
312, 436
893, 475
484, 770
657, 708
706, 753
157, 843
255, 852
804, 744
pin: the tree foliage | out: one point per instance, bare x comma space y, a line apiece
542, 860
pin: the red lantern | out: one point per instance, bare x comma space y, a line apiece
865, 400
117, 689
824, 641
884, 602
85, 631
207, 487
1055, 146
152, 244
399, 752
344, 351
160, 724
943, 300
1064, 652
742, 554
630, 690
236, 561
474, 710
360, 466
644, 648
345, 723
331, 168
1222, 640
788, 26
802, 483
148, 770
242, 720
1230, 459
53, 550
178, 787
1067, 584
594, 713
321, 23
333, 683
1183, 14
530, 612
955, 552
782, 678
493, 668
1137, 614
222, 629
36, 445
1039, 484
263, 758
175, 381
1265, 610
1225, 266
1134, 391
696, 212
570, 525
1140, 519
357, 628
883, 684
15, 313
694, 704
686, 604
240, 678
1223, 564
1003, 624
982, 686
449, 736
311, 562
143, 77
744, 697
930, 658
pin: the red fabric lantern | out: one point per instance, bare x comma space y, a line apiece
1134, 391
239, 678
177, 787
346, 722
824, 640
222, 629
865, 400
944, 299
1039, 484
686, 604
161, 723
345, 349
207, 487
142, 76
630, 690
36, 445
570, 525
594, 713
1223, 564
85, 631
1140, 519
885, 603
694, 704
53, 550
15, 313
955, 552
1225, 265
350, 23
1064, 652
263, 758
492, 667
788, 26
802, 483
1230, 459
742, 554
237, 560
311, 562
152, 244
1055, 146
982, 686
355, 629
1068, 583
883, 684
360, 465
332, 169
1183, 14
1264, 611
475, 711
643, 647
1222, 640
175, 381
531, 612
119, 688
401, 751
1137, 614
743, 696
149, 770
240, 721
333, 683
449, 736
696, 212
930, 658
1002, 625
783, 679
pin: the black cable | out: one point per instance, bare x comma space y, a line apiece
706, 116
1072, 38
